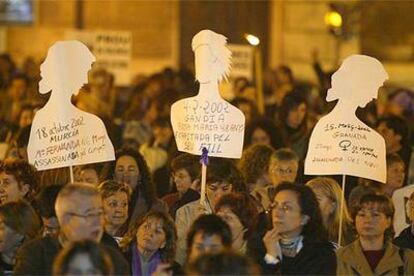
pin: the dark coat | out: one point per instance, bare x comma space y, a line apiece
315, 258
405, 239
36, 257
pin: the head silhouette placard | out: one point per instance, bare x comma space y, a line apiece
207, 120
341, 143
62, 135
70, 77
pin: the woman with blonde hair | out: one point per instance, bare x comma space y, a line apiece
328, 193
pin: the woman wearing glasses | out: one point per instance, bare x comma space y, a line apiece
373, 253
297, 243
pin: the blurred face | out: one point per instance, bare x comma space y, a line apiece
50, 226
392, 140
236, 227
247, 111
89, 176
81, 264
116, 209
296, 116
82, 217
281, 171
18, 89
370, 222
249, 93
395, 175
25, 118
10, 189
204, 244
10, 240
151, 236
287, 214
182, 180
216, 190
127, 171
326, 205
260, 136
162, 134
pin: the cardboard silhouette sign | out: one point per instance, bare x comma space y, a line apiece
340, 142
207, 120
61, 134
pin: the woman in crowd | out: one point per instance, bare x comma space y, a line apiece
83, 258
262, 131
185, 171
240, 213
328, 193
19, 224
373, 252
297, 243
151, 244
131, 169
18, 181
254, 166
294, 123
115, 197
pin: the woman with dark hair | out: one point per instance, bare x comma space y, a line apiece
151, 244
83, 258
19, 224
240, 213
373, 252
264, 132
294, 124
18, 180
297, 243
130, 168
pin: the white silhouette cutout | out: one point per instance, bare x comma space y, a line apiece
207, 120
341, 143
61, 134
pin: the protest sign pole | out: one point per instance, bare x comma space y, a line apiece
204, 163
71, 174
341, 214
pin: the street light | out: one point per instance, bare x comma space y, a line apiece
255, 41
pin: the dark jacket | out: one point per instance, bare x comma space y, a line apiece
36, 257
405, 239
315, 258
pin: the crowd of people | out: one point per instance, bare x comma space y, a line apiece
141, 214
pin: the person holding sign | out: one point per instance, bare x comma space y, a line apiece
341, 143
63, 135
207, 120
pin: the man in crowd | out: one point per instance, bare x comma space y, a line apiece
80, 214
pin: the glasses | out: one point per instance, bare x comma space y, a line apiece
284, 207
279, 170
87, 216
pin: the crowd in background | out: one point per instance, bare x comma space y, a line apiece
141, 214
